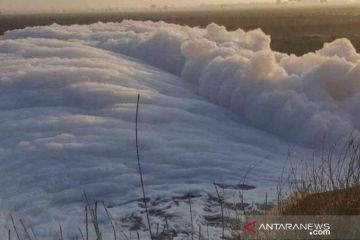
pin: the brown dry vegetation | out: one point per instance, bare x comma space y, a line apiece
336, 202
329, 185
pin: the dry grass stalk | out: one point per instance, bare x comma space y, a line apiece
221, 202
191, 217
61, 233
14, 226
139, 167
81, 234
25, 229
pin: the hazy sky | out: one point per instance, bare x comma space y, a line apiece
24, 5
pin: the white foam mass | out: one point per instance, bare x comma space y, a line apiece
300, 98
67, 109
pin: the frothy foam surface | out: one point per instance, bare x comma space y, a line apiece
213, 104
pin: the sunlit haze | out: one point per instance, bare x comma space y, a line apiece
45, 5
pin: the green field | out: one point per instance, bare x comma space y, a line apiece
294, 29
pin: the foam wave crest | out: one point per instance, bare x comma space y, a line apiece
301, 98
